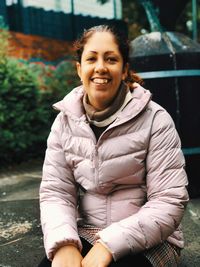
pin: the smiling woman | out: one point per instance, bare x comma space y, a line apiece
101, 69
113, 191
103, 64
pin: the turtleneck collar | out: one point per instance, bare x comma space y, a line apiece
107, 116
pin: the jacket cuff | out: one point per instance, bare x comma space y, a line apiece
115, 239
56, 239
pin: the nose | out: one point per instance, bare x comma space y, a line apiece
100, 66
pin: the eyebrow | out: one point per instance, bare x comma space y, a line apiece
107, 52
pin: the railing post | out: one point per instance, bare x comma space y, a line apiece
194, 19
72, 20
114, 9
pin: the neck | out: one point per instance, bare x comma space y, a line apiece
97, 116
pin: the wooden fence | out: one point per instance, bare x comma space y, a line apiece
57, 25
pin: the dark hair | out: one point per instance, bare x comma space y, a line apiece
122, 42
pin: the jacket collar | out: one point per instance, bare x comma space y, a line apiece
72, 105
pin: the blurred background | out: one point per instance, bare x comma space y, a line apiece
37, 66
37, 69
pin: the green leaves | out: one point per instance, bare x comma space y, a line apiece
27, 92
19, 96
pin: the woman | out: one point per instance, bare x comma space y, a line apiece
113, 191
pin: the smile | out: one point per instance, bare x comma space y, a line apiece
100, 80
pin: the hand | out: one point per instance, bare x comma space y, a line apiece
98, 256
67, 256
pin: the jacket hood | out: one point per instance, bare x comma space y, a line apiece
72, 102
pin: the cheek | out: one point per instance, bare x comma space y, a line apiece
86, 72
118, 76
118, 72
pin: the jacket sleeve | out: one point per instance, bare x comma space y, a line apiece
167, 196
58, 192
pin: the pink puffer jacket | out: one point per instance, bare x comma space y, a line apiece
133, 177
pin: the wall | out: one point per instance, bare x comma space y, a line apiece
57, 25
38, 48
111, 9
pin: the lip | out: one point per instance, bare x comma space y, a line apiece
101, 80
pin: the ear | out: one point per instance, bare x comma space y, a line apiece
125, 71
78, 69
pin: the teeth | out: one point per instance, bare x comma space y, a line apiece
100, 81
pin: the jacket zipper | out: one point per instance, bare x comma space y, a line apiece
108, 210
108, 200
96, 166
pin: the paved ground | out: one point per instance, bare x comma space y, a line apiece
20, 234
21, 242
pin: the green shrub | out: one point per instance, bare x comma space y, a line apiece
27, 92
20, 117
54, 83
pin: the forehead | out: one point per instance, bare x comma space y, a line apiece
101, 41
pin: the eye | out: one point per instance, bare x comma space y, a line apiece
90, 59
112, 59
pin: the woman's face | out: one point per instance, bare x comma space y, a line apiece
101, 69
